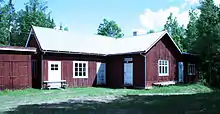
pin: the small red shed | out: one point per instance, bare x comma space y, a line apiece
190, 62
15, 67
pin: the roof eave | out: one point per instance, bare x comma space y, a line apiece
127, 53
18, 49
70, 52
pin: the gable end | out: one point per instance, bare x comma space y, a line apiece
32, 40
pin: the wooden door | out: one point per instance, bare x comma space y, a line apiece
128, 73
4, 76
180, 71
101, 73
54, 73
19, 76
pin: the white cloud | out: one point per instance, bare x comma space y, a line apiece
192, 2
217, 2
156, 19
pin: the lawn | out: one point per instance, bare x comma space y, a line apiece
200, 99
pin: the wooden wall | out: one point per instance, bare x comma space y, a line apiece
164, 50
192, 59
15, 70
67, 68
115, 70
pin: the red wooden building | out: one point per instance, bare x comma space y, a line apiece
82, 60
15, 67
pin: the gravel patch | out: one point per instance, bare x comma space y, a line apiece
29, 101
165, 94
103, 99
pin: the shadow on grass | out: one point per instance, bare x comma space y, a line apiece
207, 103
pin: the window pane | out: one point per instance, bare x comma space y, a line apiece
80, 64
76, 69
52, 65
56, 68
76, 64
80, 69
165, 69
165, 62
84, 64
159, 62
76, 73
52, 68
56, 65
160, 70
84, 73
84, 69
80, 73
162, 62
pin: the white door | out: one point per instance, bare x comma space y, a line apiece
180, 70
128, 73
54, 73
101, 73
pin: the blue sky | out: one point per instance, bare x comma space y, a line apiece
85, 15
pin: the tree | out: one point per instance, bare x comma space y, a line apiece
150, 31
191, 31
110, 28
176, 31
35, 13
7, 18
65, 29
207, 45
61, 27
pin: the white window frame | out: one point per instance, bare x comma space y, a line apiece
86, 70
163, 66
191, 69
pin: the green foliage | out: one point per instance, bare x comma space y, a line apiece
7, 17
207, 45
61, 28
35, 13
176, 31
110, 28
65, 29
150, 31
191, 31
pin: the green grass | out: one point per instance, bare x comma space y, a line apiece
93, 91
204, 99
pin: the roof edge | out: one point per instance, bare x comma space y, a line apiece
35, 37
165, 32
29, 36
161, 36
174, 42
70, 52
136, 52
16, 48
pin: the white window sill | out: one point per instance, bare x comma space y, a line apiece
80, 77
163, 74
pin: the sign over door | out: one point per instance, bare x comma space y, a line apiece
101, 73
180, 71
54, 72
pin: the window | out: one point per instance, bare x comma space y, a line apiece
191, 69
54, 67
80, 69
163, 67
